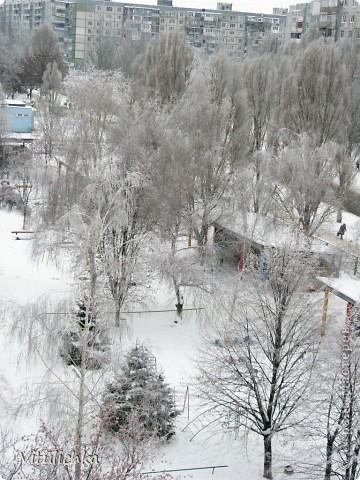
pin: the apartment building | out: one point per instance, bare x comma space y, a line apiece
19, 17
79, 23
334, 18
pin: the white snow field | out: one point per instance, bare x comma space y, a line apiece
174, 345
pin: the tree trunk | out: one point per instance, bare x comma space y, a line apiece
329, 454
117, 314
83, 369
24, 217
339, 215
267, 457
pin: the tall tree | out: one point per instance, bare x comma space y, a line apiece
49, 108
259, 85
44, 49
9, 64
165, 67
258, 372
315, 96
303, 176
211, 119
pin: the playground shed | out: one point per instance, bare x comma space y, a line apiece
244, 236
20, 116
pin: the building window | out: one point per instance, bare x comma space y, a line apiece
109, 9
89, 24
352, 19
343, 18
232, 25
342, 33
89, 30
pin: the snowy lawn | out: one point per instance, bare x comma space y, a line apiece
174, 345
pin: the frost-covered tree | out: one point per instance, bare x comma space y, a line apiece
122, 456
10, 54
23, 168
211, 132
165, 67
259, 85
44, 49
4, 125
71, 349
104, 54
304, 174
315, 96
48, 108
139, 389
257, 372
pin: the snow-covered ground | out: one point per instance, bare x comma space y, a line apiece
174, 345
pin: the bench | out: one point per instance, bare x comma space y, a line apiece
21, 232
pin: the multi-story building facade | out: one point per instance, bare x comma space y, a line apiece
334, 18
79, 23
213, 30
23, 16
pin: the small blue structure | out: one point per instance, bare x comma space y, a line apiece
20, 116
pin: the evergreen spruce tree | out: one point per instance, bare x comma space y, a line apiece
139, 393
85, 316
71, 349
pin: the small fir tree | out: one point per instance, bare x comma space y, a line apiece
73, 340
140, 391
85, 314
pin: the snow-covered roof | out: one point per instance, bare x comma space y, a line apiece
267, 231
344, 287
264, 231
16, 103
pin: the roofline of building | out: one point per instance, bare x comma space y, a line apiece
170, 8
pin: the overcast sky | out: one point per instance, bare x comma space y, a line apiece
256, 6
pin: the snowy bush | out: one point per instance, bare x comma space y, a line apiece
141, 391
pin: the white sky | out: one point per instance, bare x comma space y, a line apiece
251, 6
